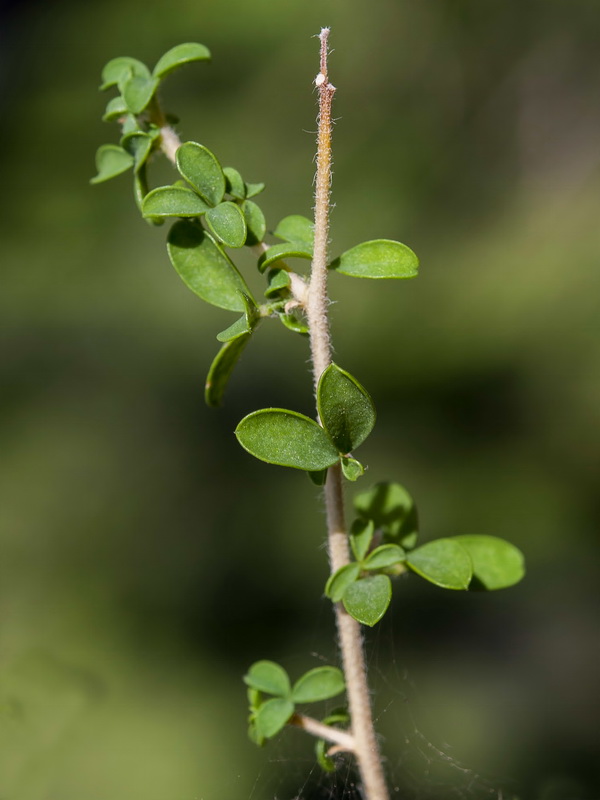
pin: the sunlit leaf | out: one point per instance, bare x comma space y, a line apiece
243, 325
296, 228
497, 564
173, 201
252, 189
272, 716
255, 222
137, 90
386, 555
381, 258
202, 171
120, 67
444, 562
115, 108
227, 223
320, 683
221, 369
111, 161
345, 408
178, 56
352, 469
367, 600
286, 438
268, 676
279, 252
204, 267
339, 581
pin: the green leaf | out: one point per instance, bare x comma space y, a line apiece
202, 171
345, 408
497, 564
318, 477
286, 438
267, 676
279, 281
115, 108
234, 183
277, 252
321, 746
243, 325
111, 161
294, 324
254, 698
387, 555
352, 469
272, 716
178, 56
252, 189
381, 258
120, 67
296, 228
129, 125
320, 683
361, 536
254, 735
204, 267
340, 580
221, 369
227, 223
173, 201
367, 600
137, 90
444, 562
138, 144
255, 222
392, 509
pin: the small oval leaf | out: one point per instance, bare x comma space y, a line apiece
296, 228
115, 108
287, 439
345, 408
137, 91
227, 223
387, 555
119, 68
268, 676
252, 189
178, 56
173, 201
367, 600
278, 252
361, 535
352, 469
279, 281
339, 581
444, 562
497, 564
204, 267
255, 222
320, 683
292, 323
138, 144
234, 183
111, 161
221, 369
272, 716
380, 258
202, 171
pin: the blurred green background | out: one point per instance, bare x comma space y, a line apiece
145, 559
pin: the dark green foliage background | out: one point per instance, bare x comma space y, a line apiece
145, 559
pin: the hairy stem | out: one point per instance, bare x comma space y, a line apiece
366, 748
343, 739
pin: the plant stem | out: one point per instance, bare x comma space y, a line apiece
366, 747
341, 738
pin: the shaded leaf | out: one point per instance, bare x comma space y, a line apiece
278, 252
227, 223
367, 600
444, 562
387, 555
392, 509
345, 408
352, 469
320, 683
339, 581
272, 716
380, 258
121, 67
325, 761
138, 144
318, 477
286, 438
268, 676
294, 324
178, 56
243, 325
204, 267
234, 183
497, 564
221, 369
255, 222
173, 201
361, 535
296, 228
137, 90
115, 108
279, 281
202, 171
111, 160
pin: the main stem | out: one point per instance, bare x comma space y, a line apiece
349, 635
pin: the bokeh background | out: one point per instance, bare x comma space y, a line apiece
145, 559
